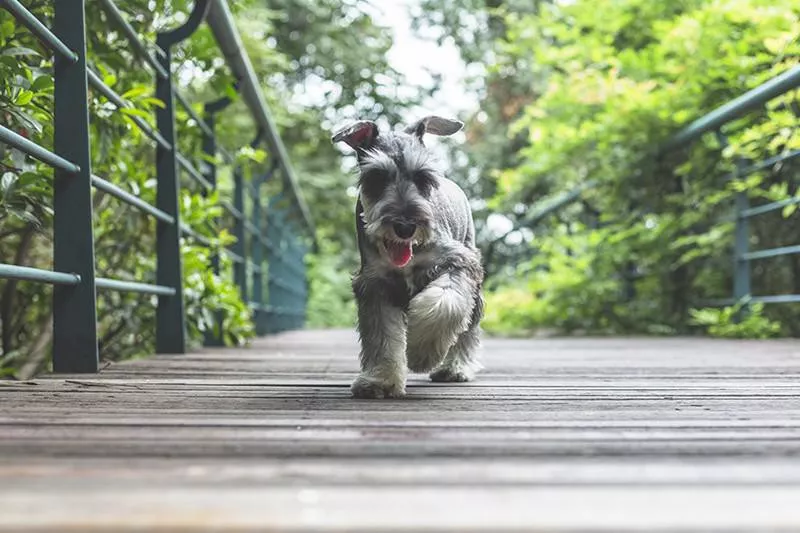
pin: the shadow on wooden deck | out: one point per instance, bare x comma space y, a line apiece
557, 434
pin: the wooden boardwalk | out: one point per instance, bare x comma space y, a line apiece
556, 435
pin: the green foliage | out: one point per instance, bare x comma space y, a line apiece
293, 45
581, 90
331, 303
208, 296
737, 322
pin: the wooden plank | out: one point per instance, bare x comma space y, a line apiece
421, 508
558, 434
449, 471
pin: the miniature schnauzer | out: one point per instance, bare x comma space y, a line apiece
418, 290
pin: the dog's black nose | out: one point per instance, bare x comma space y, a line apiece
404, 230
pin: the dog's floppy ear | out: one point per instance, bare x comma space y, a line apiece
360, 134
436, 125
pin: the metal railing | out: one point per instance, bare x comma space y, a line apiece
276, 252
713, 123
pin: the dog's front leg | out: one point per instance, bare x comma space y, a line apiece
382, 328
436, 318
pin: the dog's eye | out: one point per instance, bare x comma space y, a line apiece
373, 183
424, 181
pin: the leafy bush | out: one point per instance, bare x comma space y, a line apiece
737, 322
581, 91
124, 237
292, 43
331, 303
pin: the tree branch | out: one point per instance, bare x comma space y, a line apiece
10, 290
39, 350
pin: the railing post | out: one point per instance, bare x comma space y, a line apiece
170, 314
273, 238
210, 111
260, 317
741, 276
306, 289
240, 247
741, 245
74, 307
302, 283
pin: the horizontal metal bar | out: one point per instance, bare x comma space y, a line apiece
773, 299
19, 142
232, 210
141, 50
41, 31
268, 245
236, 258
737, 107
223, 27
189, 232
132, 286
276, 309
285, 286
202, 124
776, 299
193, 172
717, 302
117, 100
226, 155
772, 252
108, 92
548, 207
766, 208
252, 228
560, 201
774, 160
131, 199
37, 274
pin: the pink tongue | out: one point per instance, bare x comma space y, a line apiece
400, 253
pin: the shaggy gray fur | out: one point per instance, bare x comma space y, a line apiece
423, 316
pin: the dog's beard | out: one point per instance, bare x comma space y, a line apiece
399, 252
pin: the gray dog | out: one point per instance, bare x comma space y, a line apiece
419, 286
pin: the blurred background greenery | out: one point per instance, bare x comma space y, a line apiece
554, 94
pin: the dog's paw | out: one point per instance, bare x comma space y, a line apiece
452, 375
370, 387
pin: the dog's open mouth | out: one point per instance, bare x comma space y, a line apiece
400, 252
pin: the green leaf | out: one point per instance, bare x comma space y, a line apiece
19, 51
110, 79
24, 97
789, 210
133, 112
9, 62
230, 92
26, 119
153, 102
42, 83
135, 92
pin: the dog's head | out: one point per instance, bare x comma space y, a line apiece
396, 177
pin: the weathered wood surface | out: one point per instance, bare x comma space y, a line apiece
556, 435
